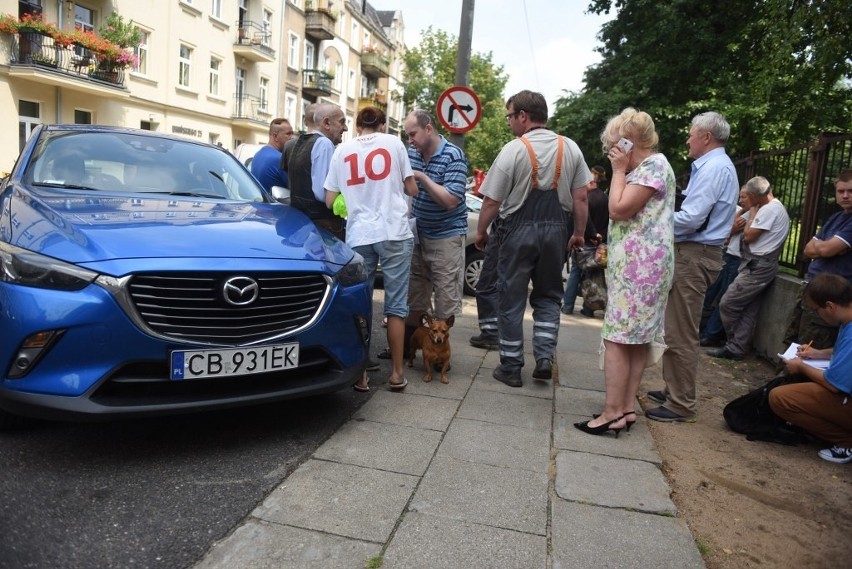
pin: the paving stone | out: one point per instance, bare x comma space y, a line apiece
591, 536
637, 444
497, 445
395, 448
263, 545
489, 495
430, 542
409, 410
612, 482
340, 499
507, 409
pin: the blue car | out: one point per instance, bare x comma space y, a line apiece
145, 274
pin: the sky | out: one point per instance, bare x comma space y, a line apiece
543, 45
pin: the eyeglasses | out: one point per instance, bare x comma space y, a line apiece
511, 115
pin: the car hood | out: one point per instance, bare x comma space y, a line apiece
102, 229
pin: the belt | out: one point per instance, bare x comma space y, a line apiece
704, 246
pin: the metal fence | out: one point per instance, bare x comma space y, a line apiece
802, 178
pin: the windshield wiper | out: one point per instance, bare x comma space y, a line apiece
65, 186
194, 195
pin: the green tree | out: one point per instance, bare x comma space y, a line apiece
430, 70
777, 69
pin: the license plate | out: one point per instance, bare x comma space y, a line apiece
229, 363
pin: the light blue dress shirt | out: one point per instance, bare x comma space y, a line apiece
713, 190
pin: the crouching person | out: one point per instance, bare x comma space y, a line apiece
823, 405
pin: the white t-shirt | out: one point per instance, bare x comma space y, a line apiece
734, 243
369, 171
775, 222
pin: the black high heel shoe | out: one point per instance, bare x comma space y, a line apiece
629, 423
600, 429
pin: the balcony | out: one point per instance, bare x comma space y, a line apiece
37, 57
250, 110
374, 64
253, 42
316, 83
319, 23
374, 100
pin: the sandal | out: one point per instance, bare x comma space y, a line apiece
364, 389
398, 386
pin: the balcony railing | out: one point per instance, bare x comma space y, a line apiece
41, 52
375, 100
316, 82
319, 23
251, 107
254, 42
374, 64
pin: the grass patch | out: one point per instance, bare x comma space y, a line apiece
703, 547
375, 563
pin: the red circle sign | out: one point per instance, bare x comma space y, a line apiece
459, 109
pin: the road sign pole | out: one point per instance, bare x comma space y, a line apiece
463, 56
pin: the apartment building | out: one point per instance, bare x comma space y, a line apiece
213, 70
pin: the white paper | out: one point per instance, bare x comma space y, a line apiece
791, 354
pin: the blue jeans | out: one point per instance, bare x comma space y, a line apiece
396, 268
713, 329
572, 287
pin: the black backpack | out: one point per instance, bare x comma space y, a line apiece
751, 415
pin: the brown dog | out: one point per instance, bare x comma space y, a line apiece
433, 337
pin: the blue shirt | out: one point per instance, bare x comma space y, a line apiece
448, 168
320, 162
266, 168
839, 372
713, 190
838, 225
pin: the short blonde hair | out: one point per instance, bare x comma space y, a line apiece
637, 126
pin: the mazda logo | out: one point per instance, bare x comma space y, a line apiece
240, 291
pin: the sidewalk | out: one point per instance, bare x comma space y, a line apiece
473, 474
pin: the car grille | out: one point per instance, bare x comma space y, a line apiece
192, 306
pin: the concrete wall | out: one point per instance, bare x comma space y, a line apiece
774, 316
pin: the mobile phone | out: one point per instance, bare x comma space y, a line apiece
625, 145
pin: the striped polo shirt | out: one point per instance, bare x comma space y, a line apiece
448, 168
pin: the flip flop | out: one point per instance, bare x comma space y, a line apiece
398, 386
357, 387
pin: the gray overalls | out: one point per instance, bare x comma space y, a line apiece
531, 246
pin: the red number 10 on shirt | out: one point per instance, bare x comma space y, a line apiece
355, 177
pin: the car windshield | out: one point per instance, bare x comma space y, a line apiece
135, 163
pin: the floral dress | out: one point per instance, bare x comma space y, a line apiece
641, 260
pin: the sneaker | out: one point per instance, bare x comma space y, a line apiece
837, 454
668, 416
543, 369
657, 396
512, 378
484, 342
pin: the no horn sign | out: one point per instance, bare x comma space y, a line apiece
459, 109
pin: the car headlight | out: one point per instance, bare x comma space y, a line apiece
23, 267
354, 272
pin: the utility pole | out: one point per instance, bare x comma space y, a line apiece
463, 56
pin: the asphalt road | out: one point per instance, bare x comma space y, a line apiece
155, 492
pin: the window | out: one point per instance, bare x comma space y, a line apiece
293, 51
351, 85
366, 39
338, 76
356, 31
264, 94
82, 117
146, 125
290, 108
213, 87
267, 27
185, 66
141, 52
29, 116
310, 54
84, 19
216, 9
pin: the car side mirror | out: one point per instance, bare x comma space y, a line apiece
281, 194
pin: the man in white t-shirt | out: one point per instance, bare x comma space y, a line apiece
373, 172
763, 239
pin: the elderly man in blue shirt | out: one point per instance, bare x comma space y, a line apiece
700, 227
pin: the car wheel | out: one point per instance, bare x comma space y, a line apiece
472, 269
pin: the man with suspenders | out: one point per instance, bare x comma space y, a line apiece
532, 183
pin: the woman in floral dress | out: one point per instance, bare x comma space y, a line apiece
640, 266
